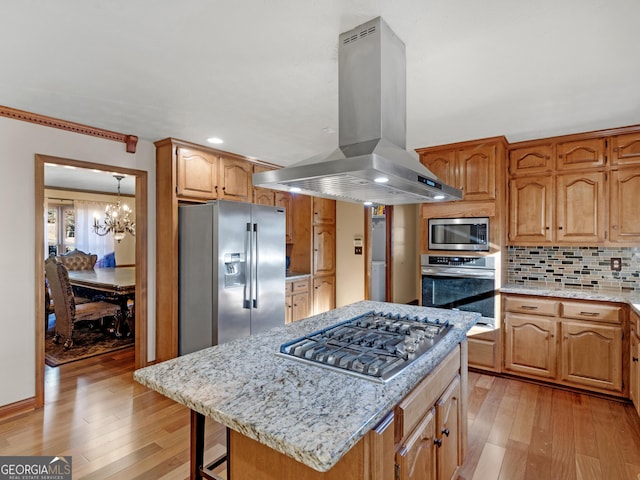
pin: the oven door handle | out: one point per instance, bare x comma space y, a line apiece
459, 273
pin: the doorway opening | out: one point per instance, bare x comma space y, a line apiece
140, 258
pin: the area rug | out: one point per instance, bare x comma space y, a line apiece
87, 342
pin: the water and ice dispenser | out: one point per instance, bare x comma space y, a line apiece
234, 272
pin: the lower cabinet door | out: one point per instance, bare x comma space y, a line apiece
591, 355
448, 452
530, 345
634, 373
416, 457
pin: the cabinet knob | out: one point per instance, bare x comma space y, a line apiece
614, 227
446, 431
559, 228
438, 442
546, 228
635, 359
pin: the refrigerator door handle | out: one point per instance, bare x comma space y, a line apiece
247, 293
256, 262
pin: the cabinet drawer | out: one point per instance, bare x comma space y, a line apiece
534, 306
288, 287
415, 405
592, 311
301, 286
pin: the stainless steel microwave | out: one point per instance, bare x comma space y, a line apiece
467, 234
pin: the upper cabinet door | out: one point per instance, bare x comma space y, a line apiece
624, 222
477, 172
625, 149
580, 207
284, 200
263, 196
531, 160
443, 165
324, 211
530, 210
235, 180
197, 174
588, 153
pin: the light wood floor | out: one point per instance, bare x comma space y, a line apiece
116, 429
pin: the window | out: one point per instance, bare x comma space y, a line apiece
61, 229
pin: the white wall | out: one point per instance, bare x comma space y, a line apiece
19, 142
349, 267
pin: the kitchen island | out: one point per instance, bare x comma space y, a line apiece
306, 413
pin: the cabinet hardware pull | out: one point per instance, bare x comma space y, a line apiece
590, 314
528, 307
446, 431
635, 359
559, 228
438, 442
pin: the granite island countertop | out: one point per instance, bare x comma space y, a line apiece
603, 295
309, 413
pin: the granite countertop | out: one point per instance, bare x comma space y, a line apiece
603, 295
296, 275
309, 413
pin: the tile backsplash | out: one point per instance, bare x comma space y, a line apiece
574, 267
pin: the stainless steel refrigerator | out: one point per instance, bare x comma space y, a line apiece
231, 272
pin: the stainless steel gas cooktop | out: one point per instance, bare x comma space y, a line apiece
375, 345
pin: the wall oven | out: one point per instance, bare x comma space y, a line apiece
460, 282
464, 234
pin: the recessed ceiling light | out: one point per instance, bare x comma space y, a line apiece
70, 167
438, 197
367, 204
295, 189
381, 180
215, 140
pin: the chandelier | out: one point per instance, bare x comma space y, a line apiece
117, 219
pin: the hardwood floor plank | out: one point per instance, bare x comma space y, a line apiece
610, 455
523, 421
539, 455
514, 463
489, 462
563, 451
583, 428
503, 423
588, 468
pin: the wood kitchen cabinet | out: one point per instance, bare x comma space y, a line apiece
324, 293
634, 361
574, 343
469, 166
324, 250
530, 345
431, 424
570, 210
576, 190
625, 149
235, 179
530, 210
624, 223
324, 211
297, 300
285, 200
263, 196
580, 208
197, 174
581, 154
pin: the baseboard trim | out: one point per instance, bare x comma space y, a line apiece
17, 408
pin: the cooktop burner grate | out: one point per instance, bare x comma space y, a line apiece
374, 345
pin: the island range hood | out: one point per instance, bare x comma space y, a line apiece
371, 163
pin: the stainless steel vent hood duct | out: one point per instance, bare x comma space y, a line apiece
371, 163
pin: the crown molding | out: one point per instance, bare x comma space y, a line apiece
130, 141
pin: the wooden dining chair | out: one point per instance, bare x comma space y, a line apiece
67, 311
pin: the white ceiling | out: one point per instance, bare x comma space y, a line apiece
262, 74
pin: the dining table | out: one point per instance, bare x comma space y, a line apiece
115, 284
